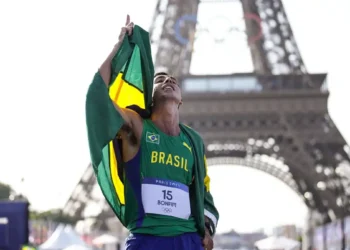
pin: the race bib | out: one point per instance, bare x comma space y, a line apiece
166, 197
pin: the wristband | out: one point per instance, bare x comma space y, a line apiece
210, 228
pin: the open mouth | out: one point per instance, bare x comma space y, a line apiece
168, 87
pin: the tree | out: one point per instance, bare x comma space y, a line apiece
8, 193
5, 191
55, 215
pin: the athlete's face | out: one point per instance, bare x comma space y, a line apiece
166, 88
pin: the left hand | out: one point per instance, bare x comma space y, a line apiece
207, 242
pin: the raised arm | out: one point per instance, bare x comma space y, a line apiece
105, 69
131, 118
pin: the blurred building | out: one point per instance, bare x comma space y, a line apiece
253, 237
288, 231
234, 240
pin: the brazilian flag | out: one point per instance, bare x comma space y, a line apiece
130, 87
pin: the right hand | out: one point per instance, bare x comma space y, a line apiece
127, 29
207, 242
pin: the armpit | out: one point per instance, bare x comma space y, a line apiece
126, 133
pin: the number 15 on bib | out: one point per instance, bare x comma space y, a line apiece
166, 197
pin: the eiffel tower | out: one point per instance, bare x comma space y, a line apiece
274, 119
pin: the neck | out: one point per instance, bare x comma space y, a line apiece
166, 117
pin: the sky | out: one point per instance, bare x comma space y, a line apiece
49, 51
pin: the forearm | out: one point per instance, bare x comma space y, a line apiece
106, 72
210, 212
106, 67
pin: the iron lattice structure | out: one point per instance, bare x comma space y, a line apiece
280, 125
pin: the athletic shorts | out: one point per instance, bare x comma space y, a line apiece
187, 241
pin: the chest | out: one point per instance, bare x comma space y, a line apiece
166, 157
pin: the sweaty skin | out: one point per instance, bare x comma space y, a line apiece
165, 111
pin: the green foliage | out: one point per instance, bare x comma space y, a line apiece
5, 191
300, 238
8, 193
55, 215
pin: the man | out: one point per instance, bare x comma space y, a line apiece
158, 159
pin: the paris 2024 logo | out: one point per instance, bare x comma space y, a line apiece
189, 18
